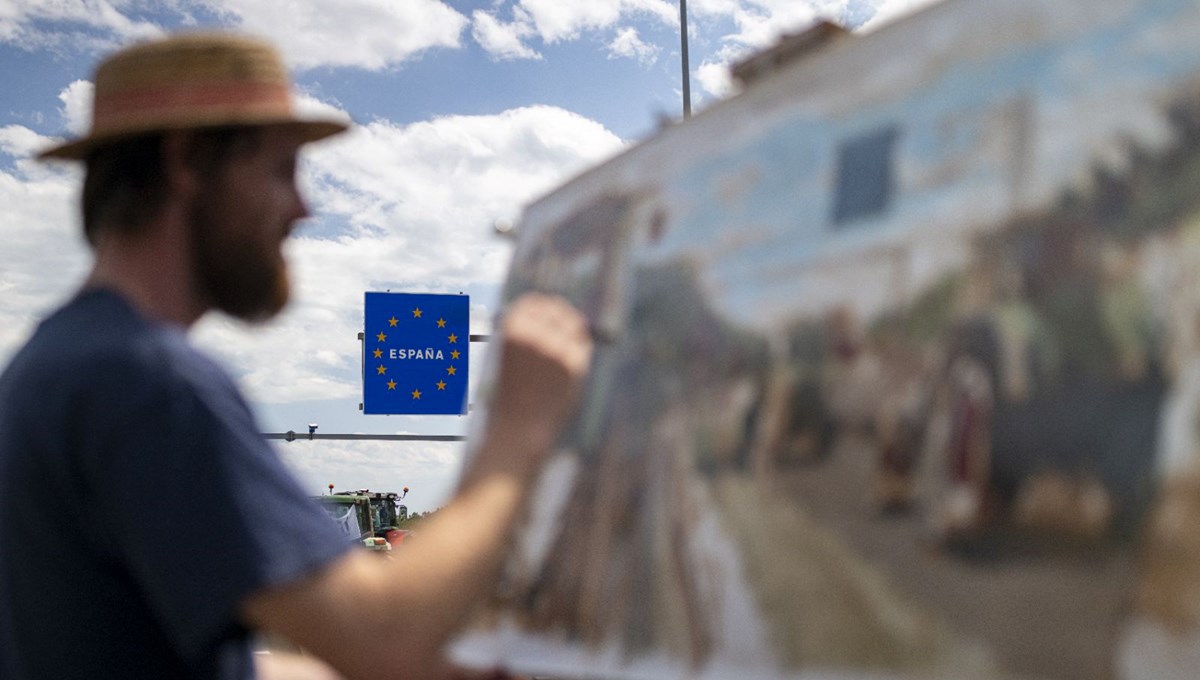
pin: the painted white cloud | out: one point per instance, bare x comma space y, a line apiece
629, 44
367, 34
502, 40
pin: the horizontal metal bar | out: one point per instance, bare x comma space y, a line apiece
297, 436
475, 337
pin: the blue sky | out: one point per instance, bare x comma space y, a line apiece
465, 110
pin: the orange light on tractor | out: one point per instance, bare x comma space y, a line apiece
330, 489
396, 536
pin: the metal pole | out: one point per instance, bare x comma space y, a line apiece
683, 41
292, 436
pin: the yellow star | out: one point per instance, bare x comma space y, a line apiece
453, 338
393, 321
381, 369
454, 354
441, 384
417, 313
391, 384
452, 370
441, 323
379, 354
416, 394
381, 337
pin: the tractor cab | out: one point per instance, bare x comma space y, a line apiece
354, 516
372, 517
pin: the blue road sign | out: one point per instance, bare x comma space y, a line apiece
415, 353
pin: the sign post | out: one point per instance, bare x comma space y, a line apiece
415, 348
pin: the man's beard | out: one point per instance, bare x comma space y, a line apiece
231, 273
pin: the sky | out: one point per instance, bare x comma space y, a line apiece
463, 112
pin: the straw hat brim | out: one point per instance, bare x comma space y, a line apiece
80, 149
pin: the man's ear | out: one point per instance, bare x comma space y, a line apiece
180, 176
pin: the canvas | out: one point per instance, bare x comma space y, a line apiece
898, 370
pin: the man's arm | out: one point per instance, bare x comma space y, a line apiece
373, 618
291, 666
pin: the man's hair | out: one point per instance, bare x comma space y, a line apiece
125, 185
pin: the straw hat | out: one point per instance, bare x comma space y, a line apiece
188, 81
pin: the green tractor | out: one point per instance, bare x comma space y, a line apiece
371, 517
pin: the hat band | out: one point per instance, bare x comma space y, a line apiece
185, 102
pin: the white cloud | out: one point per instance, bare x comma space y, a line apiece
368, 34
310, 352
757, 25
418, 202
555, 21
308, 106
21, 142
406, 207
629, 44
760, 23
502, 40
43, 257
429, 469
377, 34
34, 24
715, 80
77, 106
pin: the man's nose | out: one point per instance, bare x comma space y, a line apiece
301, 205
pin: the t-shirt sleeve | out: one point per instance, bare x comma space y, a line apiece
195, 503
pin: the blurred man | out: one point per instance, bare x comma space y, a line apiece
146, 529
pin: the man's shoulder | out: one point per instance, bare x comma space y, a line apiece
99, 337
94, 329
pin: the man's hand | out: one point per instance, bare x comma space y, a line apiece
289, 666
413, 603
545, 355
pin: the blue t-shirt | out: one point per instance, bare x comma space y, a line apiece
139, 505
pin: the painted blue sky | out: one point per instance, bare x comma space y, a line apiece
465, 110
